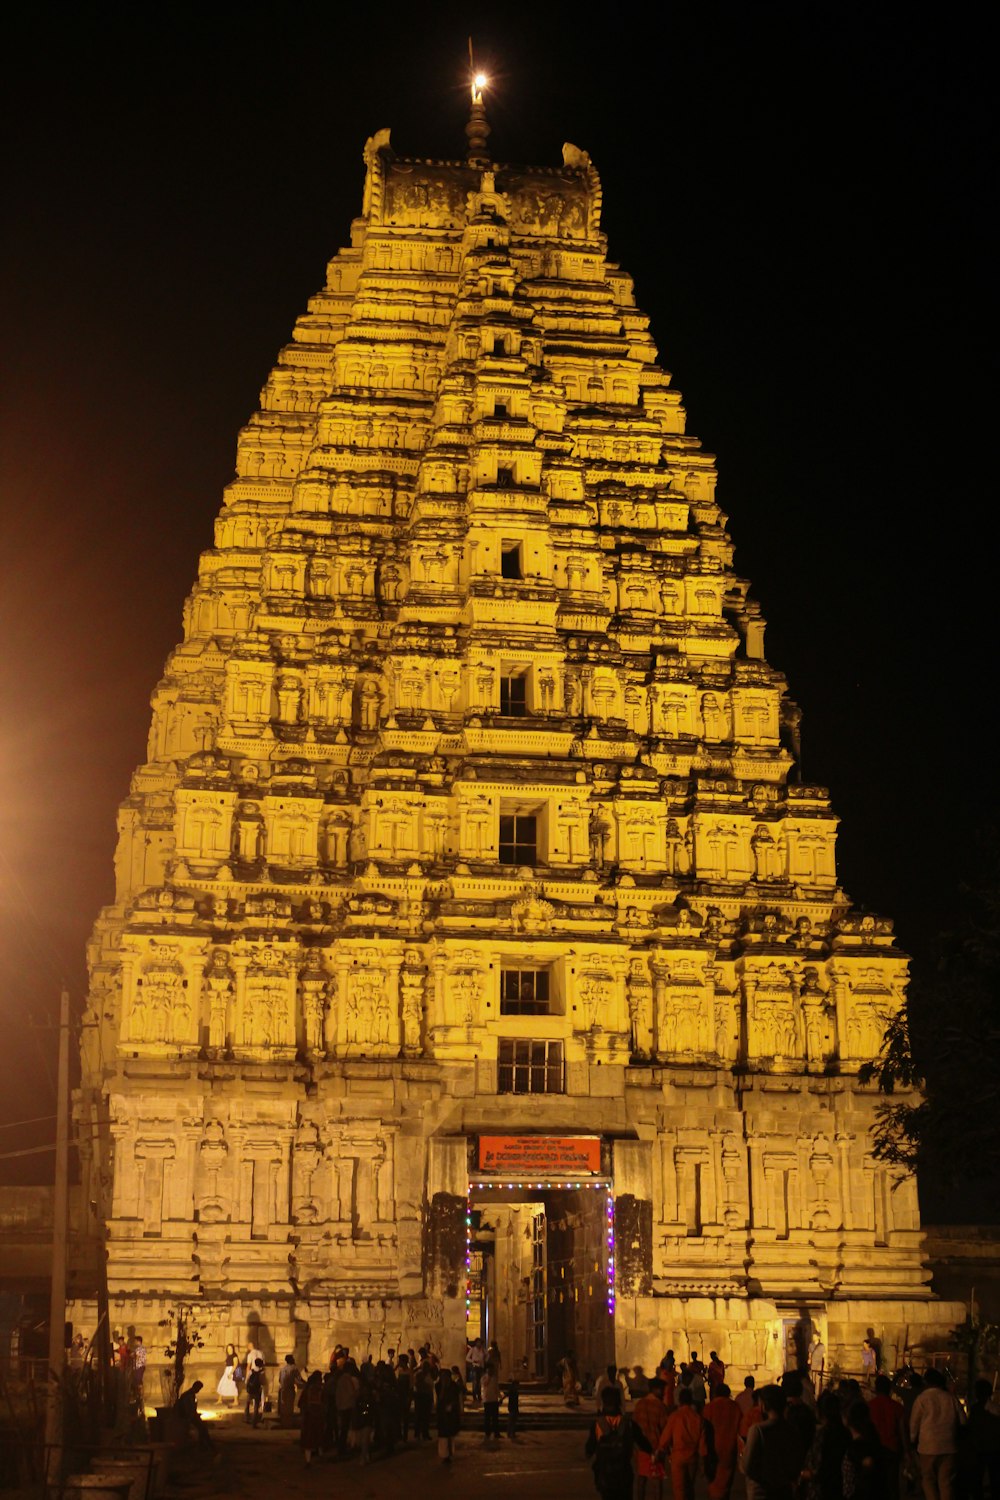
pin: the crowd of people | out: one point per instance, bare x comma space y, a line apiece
373, 1407
790, 1440
128, 1354
883, 1439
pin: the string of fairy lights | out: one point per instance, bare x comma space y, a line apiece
600, 1185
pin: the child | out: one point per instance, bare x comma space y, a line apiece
513, 1407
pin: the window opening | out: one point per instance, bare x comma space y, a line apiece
499, 408
513, 694
510, 554
526, 1067
518, 839
524, 992
694, 1200
505, 477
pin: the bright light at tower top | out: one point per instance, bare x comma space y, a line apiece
479, 82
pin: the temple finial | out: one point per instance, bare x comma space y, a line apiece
478, 129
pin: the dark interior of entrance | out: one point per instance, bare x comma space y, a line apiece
539, 1283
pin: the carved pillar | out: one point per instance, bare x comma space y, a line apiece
660, 1037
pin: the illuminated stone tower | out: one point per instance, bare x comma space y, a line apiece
469, 868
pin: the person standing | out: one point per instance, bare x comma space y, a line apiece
680, 1443
363, 1420
476, 1361
889, 1421
312, 1405
344, 1392
138, 1365
983, 1433
862, 1468
797, 1414
822, 1475
747, 1398
716, 1373
816, 1360
404, 1391
570, 1384
449, 1416
255, 1392
289, 1381
869, 1362
227, 1389
722, 1416
491, 1402
650, 1416
513, 1407
668, 1374
610, 1444
423, 1402
772, 1457
934, 1426
610, 1379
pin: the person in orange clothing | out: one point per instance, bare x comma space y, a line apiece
651, 1416
667, 1373
725, 1418
680, 1442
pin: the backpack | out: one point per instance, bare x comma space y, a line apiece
613, 1457
253, 1383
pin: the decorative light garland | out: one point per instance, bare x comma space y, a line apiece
468, 1256
610, 1214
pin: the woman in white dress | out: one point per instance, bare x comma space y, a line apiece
227, 1389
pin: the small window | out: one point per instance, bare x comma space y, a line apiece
505, 477
510, 557
524, 992
518, 839
530, 1068
499, 408
513, 694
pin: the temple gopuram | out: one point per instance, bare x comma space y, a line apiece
477, 962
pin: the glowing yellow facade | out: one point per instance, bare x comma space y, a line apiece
470, 776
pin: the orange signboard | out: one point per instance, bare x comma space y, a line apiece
540, 1155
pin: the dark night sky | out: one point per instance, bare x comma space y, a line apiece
799, 192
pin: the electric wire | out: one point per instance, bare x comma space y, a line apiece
35, 1120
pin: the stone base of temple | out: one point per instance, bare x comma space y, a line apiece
761, 1337
309, 1329
753, 1335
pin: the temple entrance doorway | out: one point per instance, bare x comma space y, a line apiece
540, 1275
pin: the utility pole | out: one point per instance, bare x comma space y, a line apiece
60, 1213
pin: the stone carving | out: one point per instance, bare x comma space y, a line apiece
312, 984
411, 981
219, 984
266, 1023
213, 1152
532, 914
594, 990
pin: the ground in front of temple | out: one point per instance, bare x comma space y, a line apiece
540, 1464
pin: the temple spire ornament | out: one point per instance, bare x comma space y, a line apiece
477, 129
469, 867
